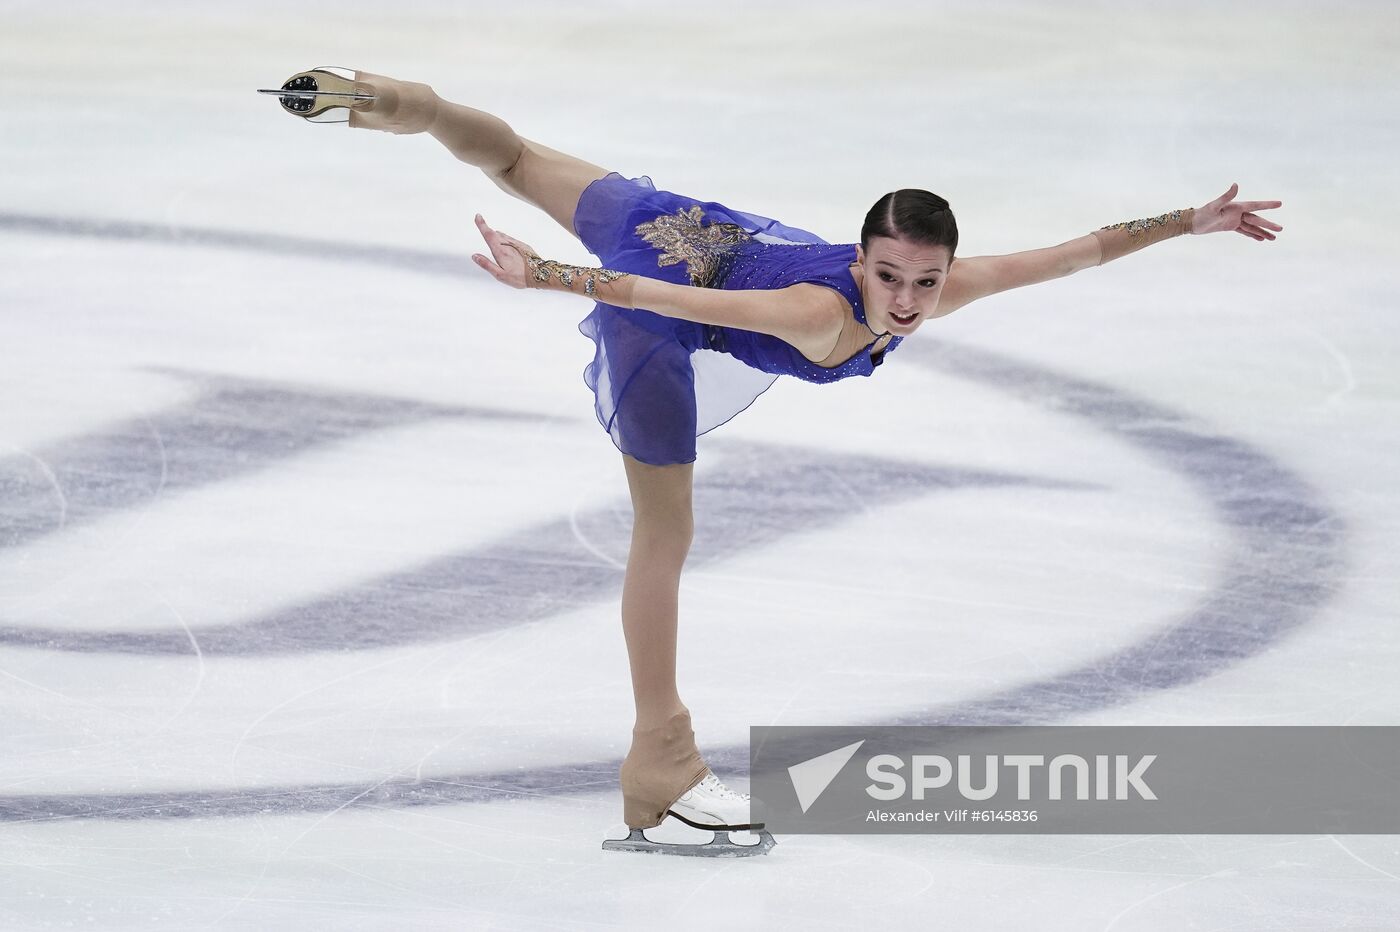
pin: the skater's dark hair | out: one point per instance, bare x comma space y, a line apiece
911, 213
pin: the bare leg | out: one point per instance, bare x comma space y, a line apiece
543, 177
538, 175
662, 529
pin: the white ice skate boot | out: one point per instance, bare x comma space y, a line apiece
664, 775
710, 804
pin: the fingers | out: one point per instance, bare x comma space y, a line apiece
1260, 205
1260, 221
1229, 195
491, 267
1254, 232
493, 239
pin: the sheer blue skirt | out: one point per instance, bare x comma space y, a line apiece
656, 385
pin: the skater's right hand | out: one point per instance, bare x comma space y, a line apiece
1225, 214
509, 253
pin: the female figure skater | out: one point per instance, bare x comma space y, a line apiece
698, 308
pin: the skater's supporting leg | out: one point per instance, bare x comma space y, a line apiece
664, 774
662, 529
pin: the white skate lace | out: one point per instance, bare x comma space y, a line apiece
711, 782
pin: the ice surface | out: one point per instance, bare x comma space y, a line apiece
311, 548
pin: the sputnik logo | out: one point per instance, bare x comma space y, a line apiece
811, 777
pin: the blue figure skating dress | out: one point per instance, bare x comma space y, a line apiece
659, 382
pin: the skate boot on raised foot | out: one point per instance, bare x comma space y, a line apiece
324, 94
364, 100
664, 775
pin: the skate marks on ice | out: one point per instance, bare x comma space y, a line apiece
760, 495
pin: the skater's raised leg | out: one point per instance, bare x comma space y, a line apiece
543, 177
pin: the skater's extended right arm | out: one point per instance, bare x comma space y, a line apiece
794, 314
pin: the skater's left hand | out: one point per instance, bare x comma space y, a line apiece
509, 253
1225, 214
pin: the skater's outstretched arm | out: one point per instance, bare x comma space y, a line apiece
796, 314
977, 277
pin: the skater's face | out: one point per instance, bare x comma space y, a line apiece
902, 283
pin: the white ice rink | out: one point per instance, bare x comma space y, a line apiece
311, 546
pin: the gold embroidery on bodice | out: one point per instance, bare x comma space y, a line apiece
686, 238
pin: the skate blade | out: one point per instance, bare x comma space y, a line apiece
283, 92
721, 846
